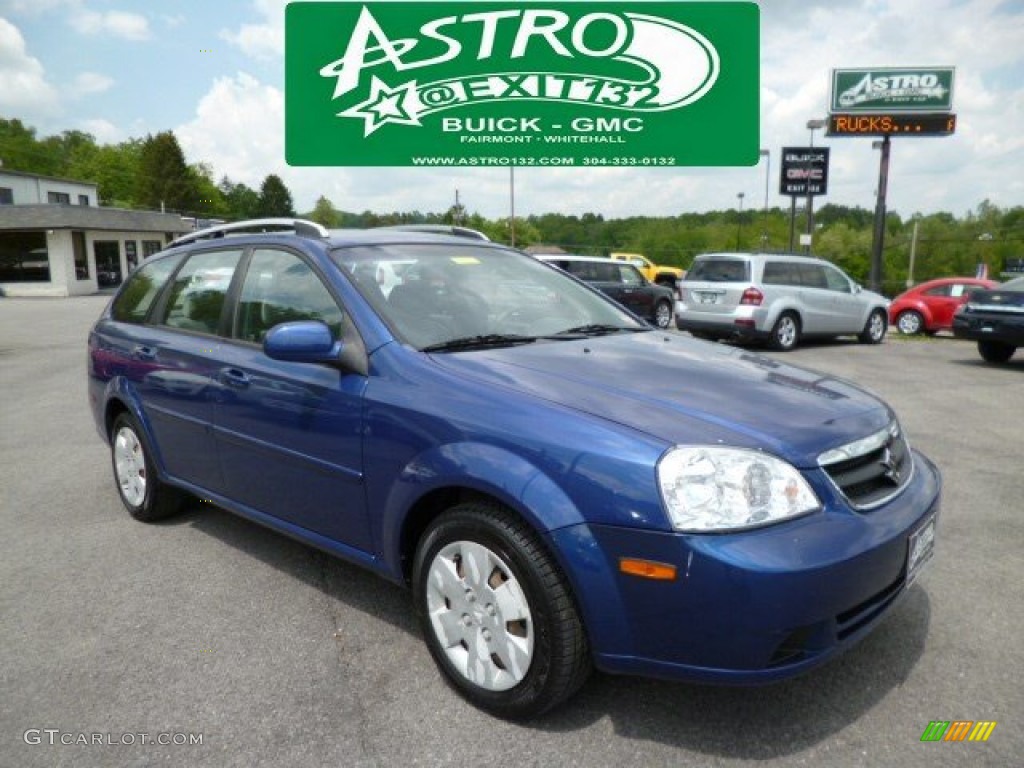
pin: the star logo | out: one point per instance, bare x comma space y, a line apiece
385, 105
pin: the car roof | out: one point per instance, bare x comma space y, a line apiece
575, 257
763, 256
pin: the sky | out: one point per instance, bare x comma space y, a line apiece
213, 72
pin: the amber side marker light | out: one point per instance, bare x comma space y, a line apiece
647, 569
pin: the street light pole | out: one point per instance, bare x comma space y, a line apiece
767, 155
739, 220
812, 126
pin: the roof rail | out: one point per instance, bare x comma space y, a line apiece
440, 229
301, 227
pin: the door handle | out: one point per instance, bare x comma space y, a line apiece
235, 378
142, 352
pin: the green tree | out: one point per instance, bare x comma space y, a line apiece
164, 178
325, 213
241, 201
275, 199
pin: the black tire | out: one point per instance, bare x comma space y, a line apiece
559, 661
995, 351
663, 314
875, 328
152, 499
785, 333
910, 322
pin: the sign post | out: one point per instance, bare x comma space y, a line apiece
804, 174
887, 102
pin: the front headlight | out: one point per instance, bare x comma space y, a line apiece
710, 488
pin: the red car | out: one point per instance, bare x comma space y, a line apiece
929, 307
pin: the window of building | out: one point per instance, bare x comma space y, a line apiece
58, 198
24, 257
81, 257
149, 247
131, 253
83, 199
6, 196
108, 261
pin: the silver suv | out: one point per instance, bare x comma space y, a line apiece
778, 298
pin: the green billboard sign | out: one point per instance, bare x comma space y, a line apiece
639, 84
887, 89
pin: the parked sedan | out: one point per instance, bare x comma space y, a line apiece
995, 319
929, 307
559, 485
623, 282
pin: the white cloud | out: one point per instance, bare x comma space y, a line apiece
265, 39
104, 131
90, 82
128, 26
25, 92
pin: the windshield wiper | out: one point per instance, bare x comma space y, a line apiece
479, 342
598, 329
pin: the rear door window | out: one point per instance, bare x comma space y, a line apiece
719, 270
196, 300
134, 301
781, 273
813, 276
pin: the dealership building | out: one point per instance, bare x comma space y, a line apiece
56, 240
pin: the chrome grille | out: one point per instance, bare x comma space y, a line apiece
870, 471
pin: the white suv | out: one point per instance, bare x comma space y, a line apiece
778, 298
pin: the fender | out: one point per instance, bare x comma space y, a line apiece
486, 468
526, 489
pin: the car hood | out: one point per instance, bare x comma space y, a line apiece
685, 391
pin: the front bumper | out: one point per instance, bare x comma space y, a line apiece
748, 607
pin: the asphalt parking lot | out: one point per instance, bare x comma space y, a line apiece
275, 654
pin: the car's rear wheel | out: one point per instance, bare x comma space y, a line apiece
497, 613
143, 494
995, 351
874, 328
663, 314
910, 322
785, 333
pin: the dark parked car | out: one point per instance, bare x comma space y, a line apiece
929, 307
623, 282
558, 483
995, 319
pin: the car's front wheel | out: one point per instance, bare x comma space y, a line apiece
910, 322
663, 314
497, 613
785, 332
995, 351
144, 495
874, 328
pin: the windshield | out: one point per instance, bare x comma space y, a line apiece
451, 297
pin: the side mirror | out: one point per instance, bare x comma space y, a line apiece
302, 341
857, 288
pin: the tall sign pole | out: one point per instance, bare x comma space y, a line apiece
878, 240
886, 102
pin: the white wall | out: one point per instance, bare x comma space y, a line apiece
28, 190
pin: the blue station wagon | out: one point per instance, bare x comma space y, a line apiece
560, 485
